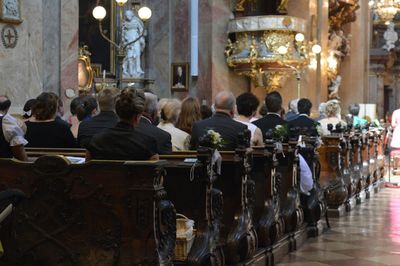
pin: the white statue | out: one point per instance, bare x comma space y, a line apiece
391, 37
334, 88
132, 30
339, 45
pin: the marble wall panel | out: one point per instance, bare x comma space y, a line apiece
157, 52
51, 14
69, 31
223, 78
355, 67
21, 72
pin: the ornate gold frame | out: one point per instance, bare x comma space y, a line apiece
7, 19
84, 59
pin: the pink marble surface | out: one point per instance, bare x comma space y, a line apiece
69, 49
21, 68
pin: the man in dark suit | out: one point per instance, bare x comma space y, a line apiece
147, 125
273, 103
304, 124
107, 118
221, 122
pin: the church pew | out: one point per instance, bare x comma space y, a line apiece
366, 163
191, 187
335, 174
235, 226
357, 166
286, 241
278, 216
98, 213
314, 205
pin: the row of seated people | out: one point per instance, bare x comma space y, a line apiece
179, 129
252, 213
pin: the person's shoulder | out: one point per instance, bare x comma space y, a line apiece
238, 124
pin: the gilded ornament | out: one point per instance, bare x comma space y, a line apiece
282, 8
287, 21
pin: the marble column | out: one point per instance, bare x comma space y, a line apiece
355, 67
313, 81
69, 32
51, 13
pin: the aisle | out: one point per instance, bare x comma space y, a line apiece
369, 236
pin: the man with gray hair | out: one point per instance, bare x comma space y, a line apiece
107, 117
293, 113
221, 122
147, 125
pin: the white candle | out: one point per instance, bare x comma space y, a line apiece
104, 75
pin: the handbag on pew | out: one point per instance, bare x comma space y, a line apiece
185, 234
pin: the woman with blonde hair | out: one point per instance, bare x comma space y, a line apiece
169, 116
332, 112
190, 113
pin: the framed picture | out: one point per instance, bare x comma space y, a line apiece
179, 76
10, 11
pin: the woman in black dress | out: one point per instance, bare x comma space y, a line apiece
43, 130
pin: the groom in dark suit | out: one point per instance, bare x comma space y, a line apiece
273, 102
303, 124
221, 122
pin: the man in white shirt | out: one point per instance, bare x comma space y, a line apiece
306, 178
12, 133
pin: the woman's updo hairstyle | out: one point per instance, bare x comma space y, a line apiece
130, 103
86, 107
332, 109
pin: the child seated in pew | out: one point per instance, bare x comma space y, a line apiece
124, 142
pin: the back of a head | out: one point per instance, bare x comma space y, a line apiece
130, 103
106, 99
273, 102
86, 107
354, 109
205, 111
225, 101
170, 111
27, 110
74, 104
332, 109
304, 106
190, 113
150, 106
321, 108
247, 104
5, 103
293, 105
46, 106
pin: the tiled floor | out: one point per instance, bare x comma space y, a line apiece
368, 236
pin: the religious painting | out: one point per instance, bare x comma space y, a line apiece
179, 77
103, 53
10, 11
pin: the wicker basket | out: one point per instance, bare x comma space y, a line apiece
183, 244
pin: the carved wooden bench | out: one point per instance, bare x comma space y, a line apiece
98, 213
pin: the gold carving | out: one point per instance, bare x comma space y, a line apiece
85, 72
282, 8
342, 12
256, 53
240, 5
